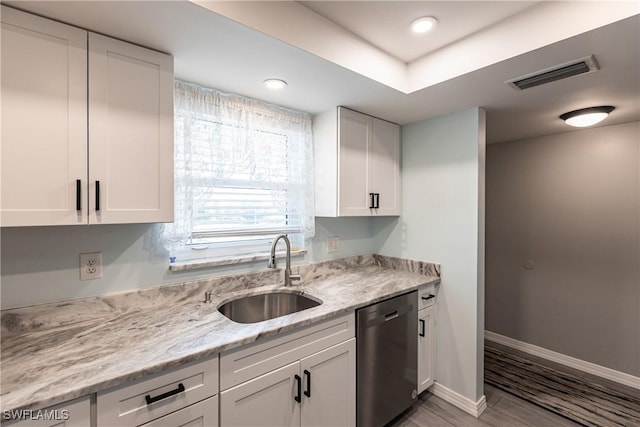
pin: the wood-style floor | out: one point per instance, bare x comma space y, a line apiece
503, 410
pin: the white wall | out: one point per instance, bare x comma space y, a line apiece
41, 264
442, 221
570, 204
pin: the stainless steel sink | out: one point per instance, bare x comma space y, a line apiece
257, 308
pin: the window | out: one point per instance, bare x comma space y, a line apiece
243, 174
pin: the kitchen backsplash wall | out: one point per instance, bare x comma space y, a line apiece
41, 264
563, 244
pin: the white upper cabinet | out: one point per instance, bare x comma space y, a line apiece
83, 144
44, 121
357, 165
130, 133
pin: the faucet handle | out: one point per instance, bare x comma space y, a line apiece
272, 262
294, 277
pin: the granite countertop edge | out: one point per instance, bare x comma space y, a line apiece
384, 281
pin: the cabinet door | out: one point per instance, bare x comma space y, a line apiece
329, 379
264, 401
353, 186
426, 348
130, 133
44, 121
384, 167
201, 414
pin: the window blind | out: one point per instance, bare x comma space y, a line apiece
243, 169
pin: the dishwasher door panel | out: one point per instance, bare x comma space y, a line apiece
386, 359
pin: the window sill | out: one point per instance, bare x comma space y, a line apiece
230, 260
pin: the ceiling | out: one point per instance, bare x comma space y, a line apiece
385, 24
337, 53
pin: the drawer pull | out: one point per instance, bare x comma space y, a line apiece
97, 196
428, 297
298, 397
308, 391
78, 197
170, 393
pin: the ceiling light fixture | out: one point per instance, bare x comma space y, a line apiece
587, 116
275, 84
424, 24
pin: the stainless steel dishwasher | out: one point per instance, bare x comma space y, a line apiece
387, 359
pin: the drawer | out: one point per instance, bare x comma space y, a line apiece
75, 413
426, 296
201, 414
245, 363
169, 391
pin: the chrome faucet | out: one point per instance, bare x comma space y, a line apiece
288, 277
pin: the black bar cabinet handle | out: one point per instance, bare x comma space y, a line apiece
308, 391
377, 200
298, 397
97, 195
371, 200
170, 393
421, 333
428, 297
78, 195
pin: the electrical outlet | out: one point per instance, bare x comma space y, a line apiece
333, 244
91, 266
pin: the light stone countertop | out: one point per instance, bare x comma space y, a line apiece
55, 352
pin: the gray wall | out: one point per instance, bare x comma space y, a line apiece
442, 221
570, 204
41, 264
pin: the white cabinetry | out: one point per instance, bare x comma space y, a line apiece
306, 378
426, 338
151, 398
130, 133
75, 413
357, 165
52, 172
201, 414
44, 120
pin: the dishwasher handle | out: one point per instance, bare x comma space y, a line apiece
373, 316
391, 316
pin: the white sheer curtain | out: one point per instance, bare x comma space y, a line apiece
243, 169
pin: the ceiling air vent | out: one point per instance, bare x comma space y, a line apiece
558, 72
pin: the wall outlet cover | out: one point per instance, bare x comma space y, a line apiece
91, 266
333, 244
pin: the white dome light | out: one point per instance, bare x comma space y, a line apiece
586, 116
422, 25
275, 84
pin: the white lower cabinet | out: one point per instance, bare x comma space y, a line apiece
172, 395
264, 401
318, 390
426, 340
302, 379
329, 387
201, 414
75, 413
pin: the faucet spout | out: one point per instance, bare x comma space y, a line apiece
288, 277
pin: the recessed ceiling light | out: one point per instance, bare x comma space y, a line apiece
424, 24
275, 84
587, 116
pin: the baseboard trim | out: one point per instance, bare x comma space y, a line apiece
458, 400
572, 362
